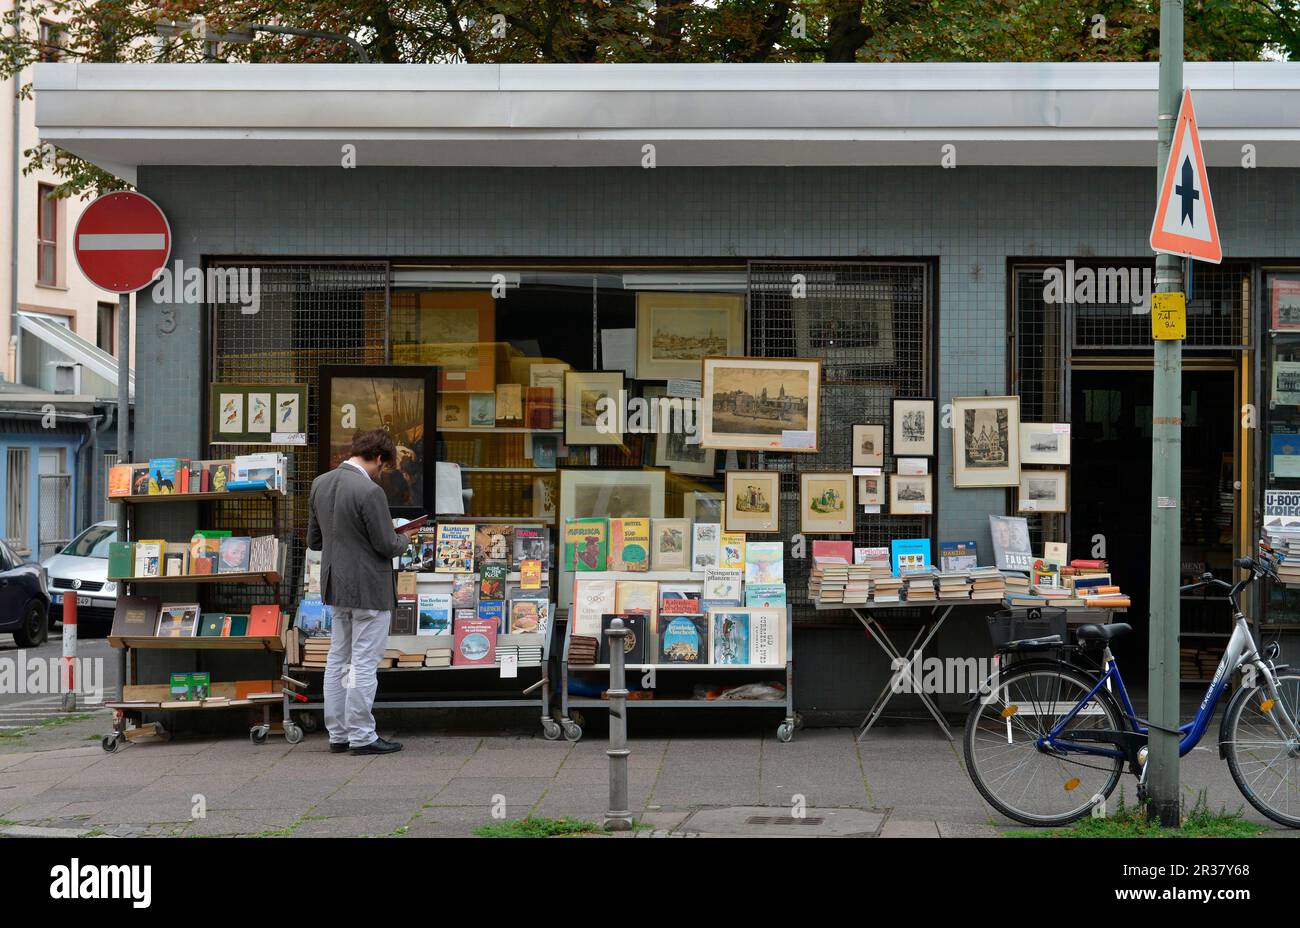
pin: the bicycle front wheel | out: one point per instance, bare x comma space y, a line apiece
1263, 761
1022, 781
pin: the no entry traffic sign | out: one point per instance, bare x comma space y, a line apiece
122, 241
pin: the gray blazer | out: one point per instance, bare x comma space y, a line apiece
348, 522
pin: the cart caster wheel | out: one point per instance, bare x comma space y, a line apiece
578, 718
572, 731
310, 722
292, 733
784, 732
798, 722
110, 743
258, 734
551, 730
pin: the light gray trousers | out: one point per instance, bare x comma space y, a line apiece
357, 644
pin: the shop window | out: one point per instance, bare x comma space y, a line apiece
105, 327
17, 485
1281, 389
51, 40
47, 236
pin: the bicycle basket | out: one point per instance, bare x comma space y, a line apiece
1018, 624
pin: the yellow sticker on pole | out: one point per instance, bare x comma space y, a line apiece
1168, 316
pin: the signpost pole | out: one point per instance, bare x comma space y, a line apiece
123, 433
1166, 471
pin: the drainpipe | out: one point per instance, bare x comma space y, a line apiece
16, 184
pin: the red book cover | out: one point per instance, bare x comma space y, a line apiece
476, 642
538, 412
840, 549
264, 621
1077, 562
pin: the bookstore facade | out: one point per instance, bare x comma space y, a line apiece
871, 348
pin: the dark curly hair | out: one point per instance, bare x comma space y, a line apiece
374, 443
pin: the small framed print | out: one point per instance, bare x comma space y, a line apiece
868, 446
871, 490
453, 411
910, 495
986, 441
826, 504
753, 500
591, 400
1042, 490
913, 427
760, 404
702, 506
1044, 443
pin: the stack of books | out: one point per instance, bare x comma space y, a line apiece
410, 659
437, 657
954, 584
1288, 569
315, 651
987, 584
389, 660
918, 586
582, 649
857, 590
1198, 663
886, 589
829, 577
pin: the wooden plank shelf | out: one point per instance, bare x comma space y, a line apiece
199, 497
269, 576
213, 643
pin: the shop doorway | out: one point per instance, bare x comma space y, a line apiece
1110, 495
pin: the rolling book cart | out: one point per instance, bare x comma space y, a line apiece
571, 717
478, 686
128, 712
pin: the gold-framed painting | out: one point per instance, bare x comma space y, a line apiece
592, 407
760, 404
753, 501
677, 331
826, 503
985, 441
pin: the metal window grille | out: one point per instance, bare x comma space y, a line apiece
55, 507
309, 314
871, 325
18, 462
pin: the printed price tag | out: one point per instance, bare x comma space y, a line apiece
1168, 316
509, 666
866, 471
871, 509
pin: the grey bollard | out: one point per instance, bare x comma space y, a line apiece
619, 817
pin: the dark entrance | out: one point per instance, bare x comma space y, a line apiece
1110, 495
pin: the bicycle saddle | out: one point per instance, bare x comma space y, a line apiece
1102, 634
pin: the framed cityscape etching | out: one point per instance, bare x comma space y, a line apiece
913, 427
826, 504
1042, 490
868, 445
584, 416
760, 404
753, 501
911, 495
1044, 443
676, 331
986, 441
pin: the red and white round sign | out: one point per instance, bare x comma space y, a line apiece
122, 241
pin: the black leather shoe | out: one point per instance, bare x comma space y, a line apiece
338, 747
378, 746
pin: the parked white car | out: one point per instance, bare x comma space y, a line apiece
81, 569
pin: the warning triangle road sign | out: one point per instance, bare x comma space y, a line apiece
1184, 223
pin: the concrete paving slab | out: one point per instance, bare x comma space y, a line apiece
900, 828
519, 792
358, 826
767, 822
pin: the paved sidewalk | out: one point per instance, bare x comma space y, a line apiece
448, 784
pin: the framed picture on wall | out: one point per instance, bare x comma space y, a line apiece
913, 427
262, 413
760, 404
592, 407
1044, 443
1286, 303
871, 490
677, 331
1042, 491
826, 504
674, 452
911, 495
615, 494
986, 441
456, 332
702, 506
400, 399
753, 501
868, 446
826, 328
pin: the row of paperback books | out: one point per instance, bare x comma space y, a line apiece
1082, 583
643, 544
435, 614
146, 616
458, 547
209, 551
179, 476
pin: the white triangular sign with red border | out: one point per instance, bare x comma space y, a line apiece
1184, 222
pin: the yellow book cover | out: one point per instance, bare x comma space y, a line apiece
732, 545
629, 544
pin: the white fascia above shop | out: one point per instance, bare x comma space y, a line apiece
122, 116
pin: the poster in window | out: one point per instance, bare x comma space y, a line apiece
1286, 303
1286, 383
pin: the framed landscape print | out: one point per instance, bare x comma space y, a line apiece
615, 494
868, 446
871, 491
913, 427
753, 500
826, 504
583, 395
455, 330
673, 451
1042, 490
911, 495
986, 441
1044, 443
760, 404
399, 399
676, 331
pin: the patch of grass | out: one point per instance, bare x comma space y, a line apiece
539, 828
52, 722
1132, 822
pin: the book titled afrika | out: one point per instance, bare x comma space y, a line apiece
586, 544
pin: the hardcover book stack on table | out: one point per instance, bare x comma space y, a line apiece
954, 584
987, 584
918, 586
887, 589
583, 649
857, 588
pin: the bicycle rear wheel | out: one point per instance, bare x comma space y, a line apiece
1264, 764
1018, 779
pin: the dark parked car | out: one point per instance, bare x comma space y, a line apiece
24, 599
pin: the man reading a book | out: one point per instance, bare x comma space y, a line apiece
349, 523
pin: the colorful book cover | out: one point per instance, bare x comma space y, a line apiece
957, 555
434, 616
670, 544
531, 543
639, 596
455, 549
140, 479
529, 616
492, 543
634, 645
722, 586
705, 545
530, 575
121, 560
539, 405
314, 619
684, 639
148, 558
765, 595
494, 611
909, 554
629, 544
234, 554
162, 476
475, 642
822, 548
218, 476
464, 591
264, 621
1012, 549
178, 621
492, 580
765, 562
591, 600
730, 637
731, 551
767, 637
586, 544
680, 599
119, 480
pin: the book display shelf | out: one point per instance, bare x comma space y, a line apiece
694, 684
139, 699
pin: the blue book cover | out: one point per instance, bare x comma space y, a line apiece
162, 476
730, 637
314, 618
909, 554
434, 616
683, 639
494, 610
958, 555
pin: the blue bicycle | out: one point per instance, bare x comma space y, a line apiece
1050, 737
